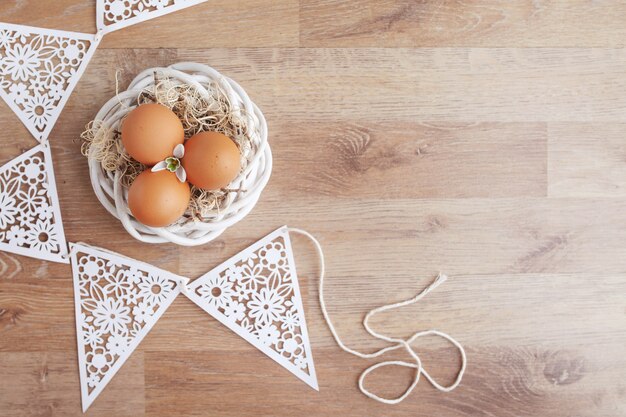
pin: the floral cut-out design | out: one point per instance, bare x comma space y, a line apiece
117, 301
30, 219
256, 294
116, 14
38, 71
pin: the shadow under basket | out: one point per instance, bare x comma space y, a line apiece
243, 192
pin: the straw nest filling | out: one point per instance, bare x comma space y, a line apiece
198, 113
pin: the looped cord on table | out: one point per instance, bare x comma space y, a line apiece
396, 343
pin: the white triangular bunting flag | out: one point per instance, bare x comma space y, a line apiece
256, 294
116, 14
39, 68
117, 300
30, 219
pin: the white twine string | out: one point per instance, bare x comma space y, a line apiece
396, 343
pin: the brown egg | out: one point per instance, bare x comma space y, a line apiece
158, 199
150, 132
211, 160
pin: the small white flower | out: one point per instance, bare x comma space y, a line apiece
32, 171
273, 256
72, 51
143, 312
172, 163
42, 236
130, 297
92, 336
154, 289
18, 92
38, 109
267, 334
234, 274
99, 361
7, 38
90, 268
55, 91
134, 275
217, 291
117, 284
44, 212
289, 321
26, 218
290, 345
111, 316
52, 73
118, 10
252, 277
37, 85
117, 344
21, 62
16, 235
266, 306
242, 293
235, 311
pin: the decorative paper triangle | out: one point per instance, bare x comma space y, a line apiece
117, 300
30, 219
256, 294
39, 68
116, 14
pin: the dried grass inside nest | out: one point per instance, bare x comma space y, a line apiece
197, 114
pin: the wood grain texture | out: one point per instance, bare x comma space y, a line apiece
385, 159
45, 384
429, 84
587, 160
437, 23
484, 139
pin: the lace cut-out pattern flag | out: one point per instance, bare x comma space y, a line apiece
30, 218
256, 294
116, 14
39, 68
117, 300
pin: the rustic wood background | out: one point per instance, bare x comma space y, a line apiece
484, 139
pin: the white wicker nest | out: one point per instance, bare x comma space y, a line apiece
188, 231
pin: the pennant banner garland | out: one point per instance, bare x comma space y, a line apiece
116, 14
30, 219
117, 299
39, 68
117, 302
255, 293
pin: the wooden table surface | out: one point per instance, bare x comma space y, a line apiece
483, 139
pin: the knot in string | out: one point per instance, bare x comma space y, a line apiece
395, 342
